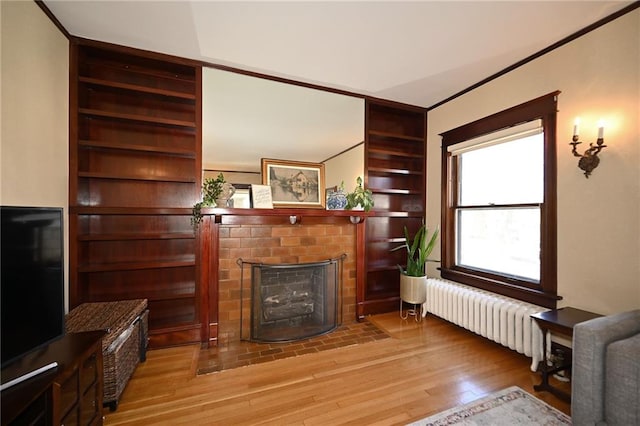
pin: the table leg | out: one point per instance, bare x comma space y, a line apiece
545, 385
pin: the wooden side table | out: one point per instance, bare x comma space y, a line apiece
560, 321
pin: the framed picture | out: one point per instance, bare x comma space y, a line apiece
261, 197
294, 183
242, 197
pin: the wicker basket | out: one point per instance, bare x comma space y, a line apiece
124, 345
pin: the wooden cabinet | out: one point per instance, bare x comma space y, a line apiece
135, 173
68, 395
395, 164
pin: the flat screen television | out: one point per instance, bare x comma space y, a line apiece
31, 280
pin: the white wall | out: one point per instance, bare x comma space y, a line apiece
35, 109
346, 168
598, 218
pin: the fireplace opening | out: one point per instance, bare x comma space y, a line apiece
288, 302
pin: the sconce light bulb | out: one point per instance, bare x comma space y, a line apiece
576, 126
600, 129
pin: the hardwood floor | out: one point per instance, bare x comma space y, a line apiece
422, 369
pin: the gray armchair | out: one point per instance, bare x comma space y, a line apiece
606, 371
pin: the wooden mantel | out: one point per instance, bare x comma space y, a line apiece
283, 216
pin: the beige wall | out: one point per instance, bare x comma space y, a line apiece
346, 168
598, 218
35, 92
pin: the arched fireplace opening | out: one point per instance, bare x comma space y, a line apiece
288, 302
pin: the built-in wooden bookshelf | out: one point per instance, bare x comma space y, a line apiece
395, 164
135, 172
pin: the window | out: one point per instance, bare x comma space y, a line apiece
499, 214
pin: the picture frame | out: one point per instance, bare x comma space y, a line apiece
261, 197
242, 197
295, 184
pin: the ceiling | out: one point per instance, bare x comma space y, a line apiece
418, 52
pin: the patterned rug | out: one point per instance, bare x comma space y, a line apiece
511, 406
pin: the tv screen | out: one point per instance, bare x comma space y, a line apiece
31, 279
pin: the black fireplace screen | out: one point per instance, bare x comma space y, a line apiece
289, 302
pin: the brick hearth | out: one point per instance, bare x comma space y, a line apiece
279, 244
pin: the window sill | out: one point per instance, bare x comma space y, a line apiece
536, 297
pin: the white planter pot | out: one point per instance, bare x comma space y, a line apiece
413, 289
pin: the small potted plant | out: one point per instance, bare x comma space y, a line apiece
413, 277
360, 198
211, 190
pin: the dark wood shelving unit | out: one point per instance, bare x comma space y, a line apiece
395, 165
135, 172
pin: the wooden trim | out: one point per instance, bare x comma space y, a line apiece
542, 52
198, 141
361, 273
53, 19
378, 306
544, 108
535, 108
536, 297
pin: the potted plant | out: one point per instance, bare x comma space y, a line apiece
413, 277
211, 190
360, 198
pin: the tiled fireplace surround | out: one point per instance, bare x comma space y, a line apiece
298, 243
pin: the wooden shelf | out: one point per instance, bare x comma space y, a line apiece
132, 266
166, 296
98, 175
137, 88
385, 170
394, 153
383, 268
135, 69
140, 236
141, 148
146, 211
395, 136
399, 240
394, 191
137, 117
387, 214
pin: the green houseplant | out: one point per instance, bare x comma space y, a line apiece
211, 190
360, 197
413, 288
418, 250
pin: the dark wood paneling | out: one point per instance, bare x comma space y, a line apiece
395, 166
135, 153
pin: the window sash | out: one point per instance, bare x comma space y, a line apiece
485, 247
511, 172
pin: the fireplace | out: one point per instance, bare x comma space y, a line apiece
289, 302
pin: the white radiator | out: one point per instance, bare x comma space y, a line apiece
499, 318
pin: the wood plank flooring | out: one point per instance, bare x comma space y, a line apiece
422, 369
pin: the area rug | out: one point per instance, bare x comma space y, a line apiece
511, 406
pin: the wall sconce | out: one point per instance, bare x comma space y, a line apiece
589, 160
